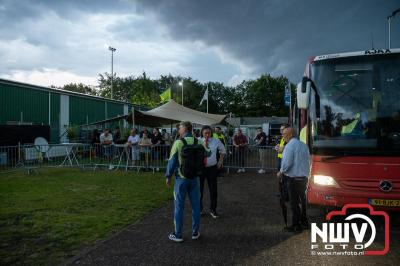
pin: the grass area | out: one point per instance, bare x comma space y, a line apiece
48, 217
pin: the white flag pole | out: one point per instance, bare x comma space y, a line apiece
207, 98
204, 96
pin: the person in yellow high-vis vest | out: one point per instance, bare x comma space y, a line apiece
303, 134
280, 146
219, 135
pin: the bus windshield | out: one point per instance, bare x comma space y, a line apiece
359, 104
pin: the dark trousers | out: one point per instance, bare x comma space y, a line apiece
240, 153
209, 173
298, 201
278, 164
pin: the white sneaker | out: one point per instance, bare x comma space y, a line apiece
173, 237
261, 171
111, 167
239, 171
196, 236
243, 170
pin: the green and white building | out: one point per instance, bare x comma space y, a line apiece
22, 103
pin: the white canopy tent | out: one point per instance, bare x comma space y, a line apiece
168, 113
174, 111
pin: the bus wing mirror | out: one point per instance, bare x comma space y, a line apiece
317, 106
303, 94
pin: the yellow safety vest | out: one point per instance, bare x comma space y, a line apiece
281, 144
221, 137
303, 134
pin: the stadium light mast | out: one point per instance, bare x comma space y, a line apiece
112, 49
181, 84
389, 18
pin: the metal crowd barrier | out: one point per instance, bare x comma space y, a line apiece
251, 157
121, 156
31, 157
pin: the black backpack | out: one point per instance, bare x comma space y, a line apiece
192, 159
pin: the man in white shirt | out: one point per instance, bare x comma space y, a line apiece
295, 170
211, 169
106, 140
133, 142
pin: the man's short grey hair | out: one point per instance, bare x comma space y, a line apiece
294, 131
187, 125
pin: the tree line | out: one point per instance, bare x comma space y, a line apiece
263, 96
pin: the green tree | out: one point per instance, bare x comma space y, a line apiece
121, 87
139, 90
81, 88
145, 92
263, 96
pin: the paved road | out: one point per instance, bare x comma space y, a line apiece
249, 232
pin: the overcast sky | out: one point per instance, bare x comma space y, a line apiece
58, 42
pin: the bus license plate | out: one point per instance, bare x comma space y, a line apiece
384, 202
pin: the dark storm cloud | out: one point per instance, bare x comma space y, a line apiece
279, 36
17, 10
216, 40
16, 15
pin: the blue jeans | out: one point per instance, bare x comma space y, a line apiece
108, 151
181, 188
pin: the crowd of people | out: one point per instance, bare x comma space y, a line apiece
194, 160
148, 145
143, 145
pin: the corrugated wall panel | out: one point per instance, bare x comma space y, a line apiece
54, 117
84, 110
32, 103
114, 109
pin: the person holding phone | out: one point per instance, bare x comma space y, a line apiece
212, 165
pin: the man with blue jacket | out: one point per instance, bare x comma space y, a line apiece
183, 185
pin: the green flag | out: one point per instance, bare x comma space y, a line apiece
166, 95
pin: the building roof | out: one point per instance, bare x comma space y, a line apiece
60, 91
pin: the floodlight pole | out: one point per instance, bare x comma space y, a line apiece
181, 83
182, 93
112, 69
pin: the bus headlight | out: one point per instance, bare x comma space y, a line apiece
324, 180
